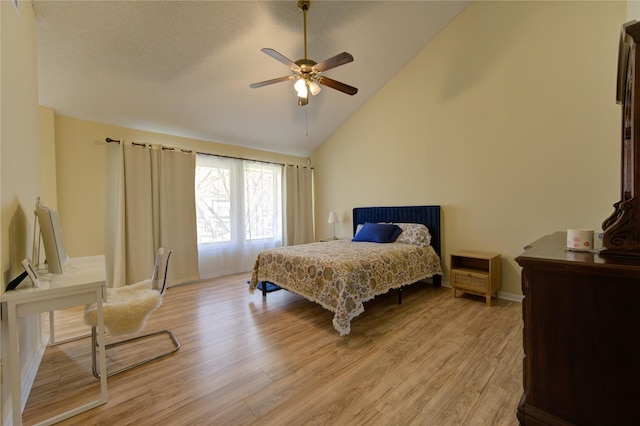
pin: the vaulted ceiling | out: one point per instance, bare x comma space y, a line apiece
184, 67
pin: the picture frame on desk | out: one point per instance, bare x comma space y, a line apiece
31, 271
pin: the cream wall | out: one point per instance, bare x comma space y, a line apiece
82, 165
633, 10
507, 119
49, 192
19, 172
20, 153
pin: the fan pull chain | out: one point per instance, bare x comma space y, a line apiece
306, 122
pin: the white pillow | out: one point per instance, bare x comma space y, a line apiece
414, 233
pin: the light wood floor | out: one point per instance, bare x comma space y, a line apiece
433, 360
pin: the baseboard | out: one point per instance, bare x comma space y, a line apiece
510, 296
206, 277
501, 294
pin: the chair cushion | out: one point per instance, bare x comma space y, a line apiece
125, 309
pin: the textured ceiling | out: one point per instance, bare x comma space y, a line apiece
184, 67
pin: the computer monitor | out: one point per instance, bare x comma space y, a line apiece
51, 231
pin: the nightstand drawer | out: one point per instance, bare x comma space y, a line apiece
470, 280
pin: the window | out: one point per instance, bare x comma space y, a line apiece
237, 201
213, 203
262, 195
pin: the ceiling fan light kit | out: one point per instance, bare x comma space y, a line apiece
307, 72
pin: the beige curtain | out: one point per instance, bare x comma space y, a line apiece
177, 214
154, 207
298, 202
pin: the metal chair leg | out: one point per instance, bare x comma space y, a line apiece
94, 363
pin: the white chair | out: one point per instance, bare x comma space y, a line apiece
125, 312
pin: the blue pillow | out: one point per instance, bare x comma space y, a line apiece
378, 233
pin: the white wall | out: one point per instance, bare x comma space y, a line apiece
19, 169
507, 119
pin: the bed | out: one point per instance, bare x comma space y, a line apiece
341, 275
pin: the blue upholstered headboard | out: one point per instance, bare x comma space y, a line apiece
427, 215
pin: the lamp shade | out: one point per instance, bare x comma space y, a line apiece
333, 217
301, 87
314, 88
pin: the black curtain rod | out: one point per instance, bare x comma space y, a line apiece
144, 145
109, 140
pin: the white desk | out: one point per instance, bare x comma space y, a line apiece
82, 282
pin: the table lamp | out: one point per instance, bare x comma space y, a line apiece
333, 219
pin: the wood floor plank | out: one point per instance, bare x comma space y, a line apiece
249, 361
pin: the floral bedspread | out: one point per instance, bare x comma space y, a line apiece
341, 275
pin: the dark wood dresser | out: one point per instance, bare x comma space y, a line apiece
581, 316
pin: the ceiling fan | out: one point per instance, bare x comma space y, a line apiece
306, 72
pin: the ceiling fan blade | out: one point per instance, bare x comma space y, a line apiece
272, 81
329, 82
280, 57
336, 61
